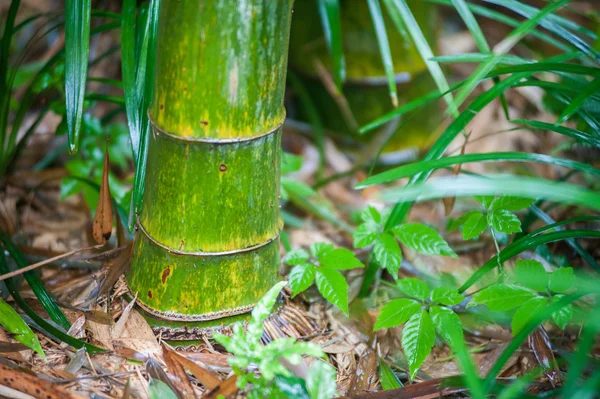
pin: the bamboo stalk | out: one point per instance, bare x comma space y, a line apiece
207, 242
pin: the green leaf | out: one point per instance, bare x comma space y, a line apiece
500, 297
388, 254
36, 284
475, 224
297, 187
418, 337
485, 200
561, 280
290, 162
446, 296
262, 310
341, 259
332, 27
504, 221
512, 203
423, 239
365, 234
563, 316
296, 257
448, 326
389, 380
77, 43
14, 324
384, 48
321, 380
415, 168
396, 312
531, 274
526, 311
333, 286
414, 288
319, 249
301, 277
371, 214
159, 390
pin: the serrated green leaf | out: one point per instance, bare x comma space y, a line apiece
456, 223
389, 380
414, 288
396, 312
418, 337
319, 249
14, 324
531, 274
301, 277
423, 239
511, 203
321, 380
296, 257
365, 234
561, 280
500, 297
341, 259
504, 221
446, 296
262, 310
388, 254
526, 311
563, 316
159, 390
370, 214
485, 200
448, 326
474, 225
333, 286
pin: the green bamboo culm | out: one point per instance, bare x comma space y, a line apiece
207, 241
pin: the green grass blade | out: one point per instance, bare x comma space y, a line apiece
519, 186
46, 327
585, 255
565, 131
503, 47
403, 18
77, 43
329, 11
14, 324
591, 89
388, 379
554, 24
36, 284
502, 18
384, 48
529, 241
471, 23
429, 165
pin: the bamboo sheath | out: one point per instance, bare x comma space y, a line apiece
207, 246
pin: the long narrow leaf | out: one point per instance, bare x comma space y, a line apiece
592, 89
471, 23
520, 186
384, 48
46, 327
14, 324
402, 17
329, 11
566, 131
77, 43
36, 284
528, 241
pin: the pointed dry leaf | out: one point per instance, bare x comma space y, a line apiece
226, 388
177, 374
103, 219
155, 370
206, 377
539, 342
30, 384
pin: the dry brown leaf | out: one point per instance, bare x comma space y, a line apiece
103, 220
539, 342
32, 385
366, 373
177, 374
6, 347
206, 377
226, 388
138, 336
